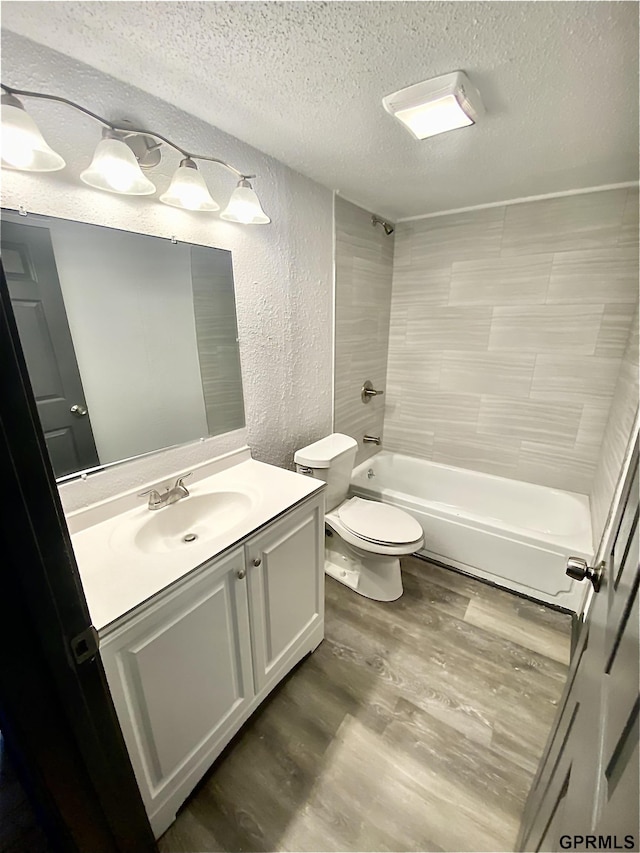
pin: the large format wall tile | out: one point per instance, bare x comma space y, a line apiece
565, 377
546, 328
587, 221
450, 328
500, 281
594, 275
508, 330
615, 327
487, 373
617, 434
468, 449
552, 423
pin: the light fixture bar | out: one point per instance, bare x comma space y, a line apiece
127, 131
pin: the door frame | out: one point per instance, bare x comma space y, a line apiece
56, 712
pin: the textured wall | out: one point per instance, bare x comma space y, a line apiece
508, 327
364, 258
282, 271
624, 408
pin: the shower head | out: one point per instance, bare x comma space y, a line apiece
388, 228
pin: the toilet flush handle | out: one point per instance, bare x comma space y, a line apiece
302, 469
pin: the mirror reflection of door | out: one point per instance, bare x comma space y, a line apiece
34, 288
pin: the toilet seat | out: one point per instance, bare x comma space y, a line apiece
378, 522
376, 527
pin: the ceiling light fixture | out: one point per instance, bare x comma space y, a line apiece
118, 160
23, 146
436, 106
244, 206
188, 189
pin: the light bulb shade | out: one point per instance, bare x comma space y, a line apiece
244, 206
188, 189
23, 146
115, 169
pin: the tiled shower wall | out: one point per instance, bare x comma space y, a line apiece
364, 258
508, 328
624, 409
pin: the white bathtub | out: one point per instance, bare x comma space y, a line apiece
514, 534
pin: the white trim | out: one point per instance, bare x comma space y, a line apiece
523, 200
368, 208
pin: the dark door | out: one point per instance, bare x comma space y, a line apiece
587, 783
56, 712
36, 297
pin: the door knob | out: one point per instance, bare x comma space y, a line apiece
257, 561
78, 410
579, 570
241, 574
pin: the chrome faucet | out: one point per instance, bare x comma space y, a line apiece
371, 439
170, 496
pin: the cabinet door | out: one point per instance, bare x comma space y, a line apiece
180, 675
285, 567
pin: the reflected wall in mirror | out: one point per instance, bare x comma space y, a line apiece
130, 340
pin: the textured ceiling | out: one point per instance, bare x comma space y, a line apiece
303, 81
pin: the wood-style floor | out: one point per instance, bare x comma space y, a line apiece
416, 725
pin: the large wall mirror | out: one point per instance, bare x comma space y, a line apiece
130, 340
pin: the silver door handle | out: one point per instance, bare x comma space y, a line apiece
579, 570
78, 410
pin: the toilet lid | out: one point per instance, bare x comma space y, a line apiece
378, 522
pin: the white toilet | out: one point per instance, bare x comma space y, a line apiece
365, 539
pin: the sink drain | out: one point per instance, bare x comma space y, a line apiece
190, 537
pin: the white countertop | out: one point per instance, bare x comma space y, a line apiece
118, 578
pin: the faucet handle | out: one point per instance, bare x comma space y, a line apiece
180, 485
153, 493
155, 498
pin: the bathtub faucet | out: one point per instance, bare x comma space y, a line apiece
371, 439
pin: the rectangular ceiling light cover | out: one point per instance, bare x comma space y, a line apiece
435, 106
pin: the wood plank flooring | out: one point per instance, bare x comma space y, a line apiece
416, 725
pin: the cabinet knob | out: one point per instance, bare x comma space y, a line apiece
241, 573
257, 561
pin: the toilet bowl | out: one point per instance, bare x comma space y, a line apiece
364, 539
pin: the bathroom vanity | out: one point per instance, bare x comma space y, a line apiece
194, 634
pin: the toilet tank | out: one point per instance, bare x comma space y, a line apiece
330, 459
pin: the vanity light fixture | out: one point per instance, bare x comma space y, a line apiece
244, 206
436, 106
114, 168
188, 189
23, 146
118, 161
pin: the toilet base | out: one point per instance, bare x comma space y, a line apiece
374, 576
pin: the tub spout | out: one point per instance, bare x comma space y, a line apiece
371, 439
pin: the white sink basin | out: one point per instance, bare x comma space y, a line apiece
192, 520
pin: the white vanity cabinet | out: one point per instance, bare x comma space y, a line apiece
189, 667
